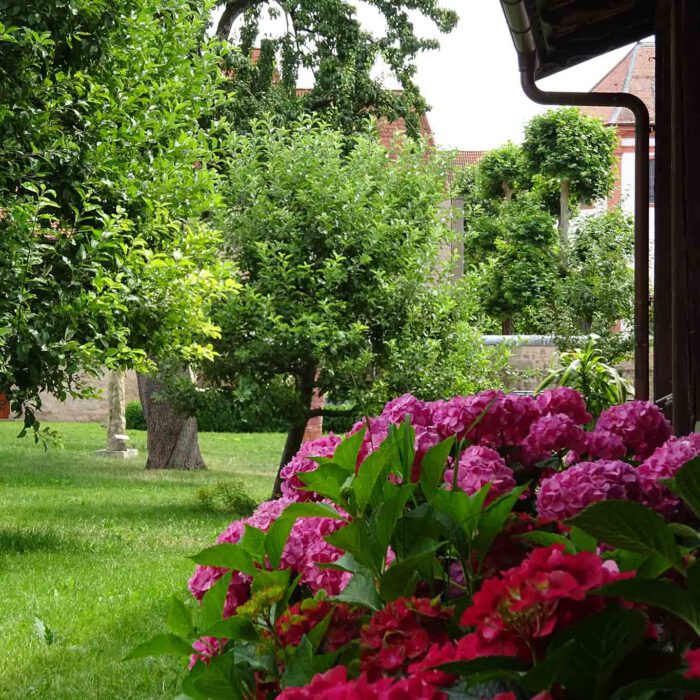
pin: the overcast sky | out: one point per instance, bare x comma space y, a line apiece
472, 83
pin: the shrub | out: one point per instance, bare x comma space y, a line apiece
227, 496
135, 419
428, 556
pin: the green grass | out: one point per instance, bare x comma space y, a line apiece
94, 549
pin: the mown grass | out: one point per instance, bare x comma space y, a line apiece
91, 551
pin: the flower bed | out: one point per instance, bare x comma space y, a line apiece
490, 546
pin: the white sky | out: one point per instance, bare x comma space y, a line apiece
472, 83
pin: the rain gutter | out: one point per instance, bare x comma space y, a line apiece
520, 26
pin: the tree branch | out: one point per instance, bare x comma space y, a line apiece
331, 412
233, 10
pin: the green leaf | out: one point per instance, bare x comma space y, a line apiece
493, 519
355, 539
179, 618
630, 526
686, 484
390, 512
649, 688
361, 591
327, 480
265, 580
346, 453
402, 577
278, 534
253, 541
546, 539
161, 645
213, 601
299, 669
237, 627
372, 471
582, 541
226, 556
659, 594
486, 668
432, 468
595, 647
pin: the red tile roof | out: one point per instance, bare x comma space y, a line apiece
634, 73
464, 158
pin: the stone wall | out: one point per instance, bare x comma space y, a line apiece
86, 410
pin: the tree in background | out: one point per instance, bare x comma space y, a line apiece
327, 39
338, 245
598, 290
107, 116
576, 151
501, 173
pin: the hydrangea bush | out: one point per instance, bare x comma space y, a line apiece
489, 546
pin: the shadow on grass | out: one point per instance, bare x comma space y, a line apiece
16, 540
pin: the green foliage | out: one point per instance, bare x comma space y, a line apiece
338, 243
501, 172
587, 371
108, 115
135, 419
566, 145
519, 279
598, 288
328, 40
227, 496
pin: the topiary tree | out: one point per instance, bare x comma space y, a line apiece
338, 244
501, 172
575, 150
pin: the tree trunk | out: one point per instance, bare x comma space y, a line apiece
173, 442
564, 219
295, 435
507, 326
232, 11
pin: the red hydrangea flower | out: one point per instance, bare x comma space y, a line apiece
641, 425
546, 592
692, 658
334, 685
567, 493
479, 466
663, 464
549, 435
401, 634
566, 401
302, 617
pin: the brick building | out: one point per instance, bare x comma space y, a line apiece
635, 74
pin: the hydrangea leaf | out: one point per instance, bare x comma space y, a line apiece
630, 526
179, 619
433, 467
686, 484
346, 453
161, 645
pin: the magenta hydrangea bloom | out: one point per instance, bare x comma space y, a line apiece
549, 435
567, 493
420, 412
306, 548
564, 400
291, 484
641, 425
600, 444
663, 464
479, 466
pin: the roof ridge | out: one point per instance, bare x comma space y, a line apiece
628, 80
615, 67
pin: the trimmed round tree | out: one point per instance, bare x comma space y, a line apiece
575, 150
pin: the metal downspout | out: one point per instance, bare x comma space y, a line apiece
521, 30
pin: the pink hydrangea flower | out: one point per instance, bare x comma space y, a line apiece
641, 425
306, 548
566, 493
205, 649
566, 401
291, 484
551, 434
479, 466
419, 412
600, 444
663, 464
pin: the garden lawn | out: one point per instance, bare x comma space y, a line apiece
91, 551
